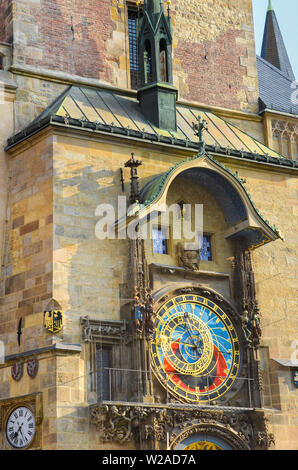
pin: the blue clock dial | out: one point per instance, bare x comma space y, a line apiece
195, 349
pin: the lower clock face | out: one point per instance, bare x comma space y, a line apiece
195, 349
203, 441
20, 427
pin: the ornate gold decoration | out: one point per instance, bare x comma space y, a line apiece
53, 317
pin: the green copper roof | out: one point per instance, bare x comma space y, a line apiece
108, 111
124, 112
226, 195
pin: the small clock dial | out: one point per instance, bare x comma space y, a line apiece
195, 349
20, 427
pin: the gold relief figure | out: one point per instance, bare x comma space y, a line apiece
202, 445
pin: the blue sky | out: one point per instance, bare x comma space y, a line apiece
287, 16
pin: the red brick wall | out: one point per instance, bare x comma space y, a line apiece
214, 52
214, 74
56, 47
6, 21
214, 56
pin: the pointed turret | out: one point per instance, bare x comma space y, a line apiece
157, 95
273, 48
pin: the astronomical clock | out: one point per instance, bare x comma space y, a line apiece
196, 351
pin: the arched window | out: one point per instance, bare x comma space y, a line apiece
295, 148
276, 141
286, 145
163, 61
147, 62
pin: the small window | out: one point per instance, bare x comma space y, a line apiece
103, 373
1, 62
206, 254
160, 241
163, 61
147, 62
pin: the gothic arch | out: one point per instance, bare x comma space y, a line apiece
227, 437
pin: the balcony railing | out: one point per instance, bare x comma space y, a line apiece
136, 386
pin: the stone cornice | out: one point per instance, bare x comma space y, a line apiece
110, 132
57, 348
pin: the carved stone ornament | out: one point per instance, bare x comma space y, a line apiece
96, 330
118, 423
189, 256
242, 430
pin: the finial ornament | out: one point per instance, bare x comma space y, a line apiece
133, 164
270, 7
198, 130
169, 7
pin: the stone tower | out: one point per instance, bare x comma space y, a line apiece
114, 340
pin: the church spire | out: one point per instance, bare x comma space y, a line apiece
273, 48
270, 7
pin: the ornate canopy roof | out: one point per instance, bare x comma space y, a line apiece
243, 219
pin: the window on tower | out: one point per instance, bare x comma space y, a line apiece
103, 372
147, 62
163, 61
160, 241
135, 81
206, 254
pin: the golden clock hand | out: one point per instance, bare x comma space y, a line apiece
189, 333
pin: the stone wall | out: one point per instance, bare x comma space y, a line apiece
64, 36
6, 21
26, 276
214, 56
275, 195
89, 275
7, 97
45, 384
213, 50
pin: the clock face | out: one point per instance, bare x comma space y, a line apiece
203, 441
195, 349
20, 427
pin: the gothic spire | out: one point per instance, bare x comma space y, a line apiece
273, 48
157, 95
